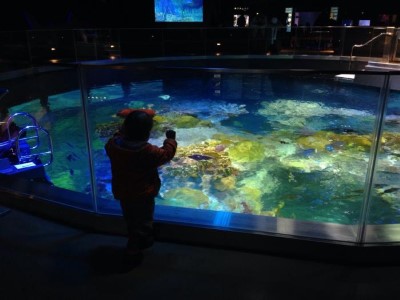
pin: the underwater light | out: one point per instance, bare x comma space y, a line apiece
53, 49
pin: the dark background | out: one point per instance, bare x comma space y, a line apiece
22, 14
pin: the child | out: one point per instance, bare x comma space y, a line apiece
135, 179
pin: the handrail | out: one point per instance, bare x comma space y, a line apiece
24, 114
365, 44
23, 136
30, 157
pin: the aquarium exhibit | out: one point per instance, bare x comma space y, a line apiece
307, 147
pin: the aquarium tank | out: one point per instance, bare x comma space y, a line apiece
265, 151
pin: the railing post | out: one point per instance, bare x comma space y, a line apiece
376, 141
84, 96
387, 44
396, 45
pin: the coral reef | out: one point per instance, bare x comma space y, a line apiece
214, 111
185, 197
246, 151
299, 114
184, 166
106, 130
321, 139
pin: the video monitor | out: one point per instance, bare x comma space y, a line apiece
364, 23
178, 10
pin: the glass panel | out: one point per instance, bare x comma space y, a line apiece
146, 43
262, 152
184, 42
361, 35
45, 46
52, 102
384, 214
97, 44
110, 90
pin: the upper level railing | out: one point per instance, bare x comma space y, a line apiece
38, 47
367, 43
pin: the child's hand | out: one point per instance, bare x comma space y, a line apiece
170, 134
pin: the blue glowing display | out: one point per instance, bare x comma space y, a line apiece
178, 10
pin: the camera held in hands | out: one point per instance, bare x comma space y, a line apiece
170, 134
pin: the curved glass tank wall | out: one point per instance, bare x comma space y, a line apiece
298, 153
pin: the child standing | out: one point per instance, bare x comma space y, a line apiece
135, 179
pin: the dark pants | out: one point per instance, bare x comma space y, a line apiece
138, 215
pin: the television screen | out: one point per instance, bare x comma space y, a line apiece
364, 22
178, 10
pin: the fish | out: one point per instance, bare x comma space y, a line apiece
319, 91
200, 157
165, 97
72, 157
344, 130
387, 190
391, 190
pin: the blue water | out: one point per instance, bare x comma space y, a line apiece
284, 147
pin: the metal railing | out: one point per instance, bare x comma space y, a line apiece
366, 44
41, 47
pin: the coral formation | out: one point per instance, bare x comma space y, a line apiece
185, 197
246, 151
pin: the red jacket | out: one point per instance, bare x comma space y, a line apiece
134, 166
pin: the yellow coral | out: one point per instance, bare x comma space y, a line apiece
361, 142
225, 183
321, 139
187, 121
252, 199
275, 211
185, 197
246, 151
317, 141
159, 119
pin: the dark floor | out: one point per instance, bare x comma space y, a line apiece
40, 259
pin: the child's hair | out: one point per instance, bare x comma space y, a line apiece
137, 126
